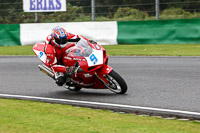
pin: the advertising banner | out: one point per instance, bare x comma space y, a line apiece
105, 33
44, 5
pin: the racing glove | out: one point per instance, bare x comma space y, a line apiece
92, 41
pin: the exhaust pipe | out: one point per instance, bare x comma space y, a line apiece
47, 71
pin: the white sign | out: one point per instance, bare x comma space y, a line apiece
44, 5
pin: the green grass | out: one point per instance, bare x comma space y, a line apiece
146, 50
155, 50
19, 116
16, 50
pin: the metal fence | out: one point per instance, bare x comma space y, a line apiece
104, 10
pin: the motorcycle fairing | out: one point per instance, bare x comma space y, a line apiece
39, 51
95, 58
104, 70
84, 55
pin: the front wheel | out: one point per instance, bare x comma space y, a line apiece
116, 83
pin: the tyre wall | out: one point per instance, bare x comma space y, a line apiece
185, 31
159, 32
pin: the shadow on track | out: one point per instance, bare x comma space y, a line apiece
85, 93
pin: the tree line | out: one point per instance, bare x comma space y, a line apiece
11, 11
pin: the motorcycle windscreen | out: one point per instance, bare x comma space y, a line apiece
39, 51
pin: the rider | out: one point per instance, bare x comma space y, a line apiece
55, 46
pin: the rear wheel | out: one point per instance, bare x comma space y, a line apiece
116, 83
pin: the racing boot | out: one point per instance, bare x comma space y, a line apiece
60, 78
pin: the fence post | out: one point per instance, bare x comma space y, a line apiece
157, 4
93, 9
36, 17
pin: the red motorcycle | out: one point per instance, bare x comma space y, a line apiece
92, 69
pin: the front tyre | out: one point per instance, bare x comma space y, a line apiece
116, 83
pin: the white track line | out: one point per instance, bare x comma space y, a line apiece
102, 104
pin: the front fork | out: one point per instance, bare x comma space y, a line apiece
103, 71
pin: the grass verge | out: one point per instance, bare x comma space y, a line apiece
145, 50
155, 50
28, 116
16, 50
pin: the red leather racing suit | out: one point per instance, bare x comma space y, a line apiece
55, 53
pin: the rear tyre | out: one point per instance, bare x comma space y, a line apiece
116, 83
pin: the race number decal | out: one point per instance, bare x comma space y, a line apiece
41, 54
93, 58
39, 51
96, 58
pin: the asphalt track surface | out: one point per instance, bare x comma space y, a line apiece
157, 82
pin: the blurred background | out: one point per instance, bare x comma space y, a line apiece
11, 11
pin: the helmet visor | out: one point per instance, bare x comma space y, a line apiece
61, 40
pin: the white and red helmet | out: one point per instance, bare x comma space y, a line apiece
59, 34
